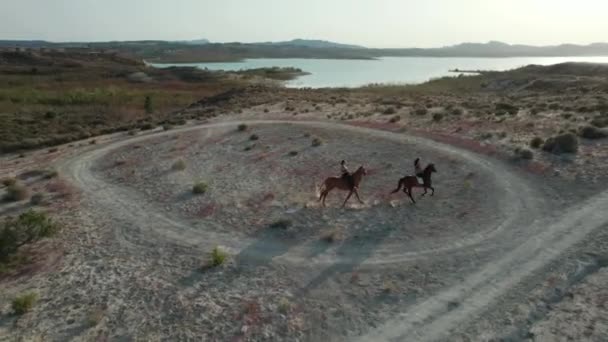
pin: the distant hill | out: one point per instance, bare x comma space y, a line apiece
313, 43
201, 50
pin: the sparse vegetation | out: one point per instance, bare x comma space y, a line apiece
49, 174
563, 143
28, 227
94, 317
9, 181
148, 105
507, 107
389, 111
421, 111
284, 305
293, 153
524, 153
281, 224
242, 127
332, 236
179, 165
254, 137
218, 257
395, 118
15, 192
24, 303
437, 117
37, 199
316, 142
199, 188
536, 142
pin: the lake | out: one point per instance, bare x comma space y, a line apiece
391, 70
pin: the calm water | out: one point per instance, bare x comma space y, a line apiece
394, 70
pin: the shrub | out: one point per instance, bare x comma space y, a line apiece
437, 117
281, 224
507, 107
536, 142
15, 192
293, 153
9, 181
167, 127
524, 153
37, 199
28, 227
599, 122
591, 132
254, 137
249, 147
148, 105
199, 188
284, 305
421, 111
389, 111
24, 303
179, 165
316, 142
94, 317
242, 127
457, 111
395, 118
218, 257
563, 143
265, 110
49, 174
332, 236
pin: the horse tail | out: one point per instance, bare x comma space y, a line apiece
399, 186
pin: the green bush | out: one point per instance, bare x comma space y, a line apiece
281, 224
395, 118
507, 107
316, 142
28, 227
437, 117
37, 199
563, 143
457, 111
389, 111
293, 153
49, 174
24, 303
148, 105
421, 111
599, 122
15, 192
536, 142
218, 257
254, 137
524, 153
179, 165
242, 127
9, 181
591, 132
199, 188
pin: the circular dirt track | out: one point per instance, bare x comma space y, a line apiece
254, 182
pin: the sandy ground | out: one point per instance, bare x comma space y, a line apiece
478, 261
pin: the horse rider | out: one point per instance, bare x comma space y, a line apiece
418, 169
346, 175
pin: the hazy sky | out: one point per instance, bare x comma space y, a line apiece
374, 23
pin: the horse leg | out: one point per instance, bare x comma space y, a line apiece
357, 194
399, 185
433, 190
347, 197
409, 193
424, 186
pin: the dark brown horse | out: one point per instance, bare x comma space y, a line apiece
343, 184
409, 182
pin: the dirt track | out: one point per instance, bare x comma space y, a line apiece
139, 260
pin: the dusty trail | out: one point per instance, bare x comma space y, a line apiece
518, 202
530, 242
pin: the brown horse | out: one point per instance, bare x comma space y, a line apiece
409, 182
342, 184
